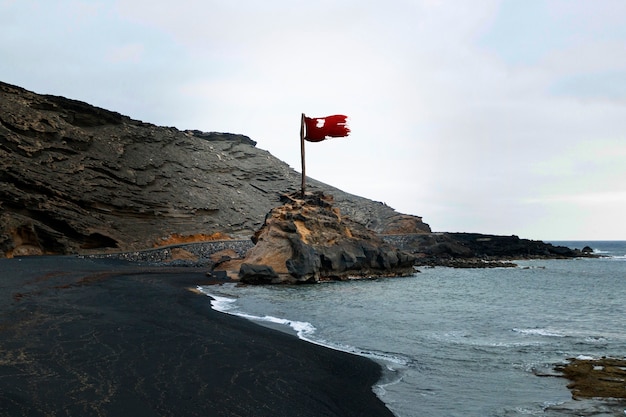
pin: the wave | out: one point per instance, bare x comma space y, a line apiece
304, 331
218, 303
609, 254
608, 249
539, 332
583, 337
600, 251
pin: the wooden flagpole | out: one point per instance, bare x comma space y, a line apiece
302, 153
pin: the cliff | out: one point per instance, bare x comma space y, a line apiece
75, 178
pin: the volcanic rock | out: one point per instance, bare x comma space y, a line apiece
475, 250
258, 274
307, 240
596, 378
75, 178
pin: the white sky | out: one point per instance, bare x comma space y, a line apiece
504, 117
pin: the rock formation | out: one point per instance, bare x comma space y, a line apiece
596, 378
475, 250
308, 240
75, 178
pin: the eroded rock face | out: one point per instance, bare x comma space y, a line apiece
308, 240
75, 178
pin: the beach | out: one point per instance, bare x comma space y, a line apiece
107, 338
471, 342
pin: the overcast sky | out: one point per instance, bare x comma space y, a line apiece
491, 116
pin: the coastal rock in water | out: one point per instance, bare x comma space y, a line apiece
587, 249
308, 240
258, 274
596, 378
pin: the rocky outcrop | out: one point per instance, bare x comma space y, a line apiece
475, 250
308, 239
596, 378
75, 178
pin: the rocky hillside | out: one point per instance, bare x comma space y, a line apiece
75, 178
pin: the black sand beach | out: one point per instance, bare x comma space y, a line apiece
129, 341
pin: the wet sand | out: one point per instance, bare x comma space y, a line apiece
136, 342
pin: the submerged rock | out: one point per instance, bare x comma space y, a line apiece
308, 240
596, 378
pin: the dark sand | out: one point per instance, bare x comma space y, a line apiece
136, 342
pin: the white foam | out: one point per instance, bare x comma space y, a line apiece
222, 304
387, 357
585, 358
595, 339
538, 332
390, 378
304, 330
607, 255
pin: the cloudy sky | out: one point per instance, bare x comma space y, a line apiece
492, 116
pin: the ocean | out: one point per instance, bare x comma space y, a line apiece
463, 342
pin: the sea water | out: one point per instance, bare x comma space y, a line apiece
463, 342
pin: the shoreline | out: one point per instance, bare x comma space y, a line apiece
117, 339
302, 330
392, 366
199, 254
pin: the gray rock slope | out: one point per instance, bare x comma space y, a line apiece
75, 178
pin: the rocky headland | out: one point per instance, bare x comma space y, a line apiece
78, 179
476, 250
75, 178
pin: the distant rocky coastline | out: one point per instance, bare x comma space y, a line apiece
475, 250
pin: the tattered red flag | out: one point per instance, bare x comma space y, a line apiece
319, 128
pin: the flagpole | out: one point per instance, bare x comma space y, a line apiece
302, 153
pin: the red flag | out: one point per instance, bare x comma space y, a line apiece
318, 128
